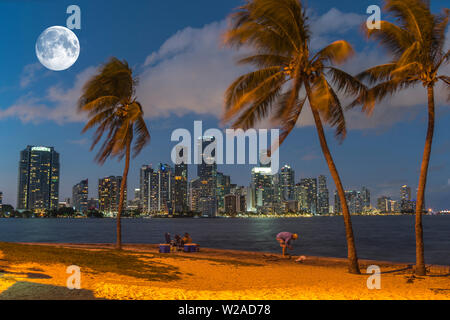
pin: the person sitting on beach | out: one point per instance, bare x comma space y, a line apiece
167, 236
285, 239
186, 239
178, 242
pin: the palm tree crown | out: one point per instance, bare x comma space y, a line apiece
280, 35
416, 43
109, 100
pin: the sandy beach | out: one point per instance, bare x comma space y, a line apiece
210, 274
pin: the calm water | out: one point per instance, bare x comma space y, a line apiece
380, 238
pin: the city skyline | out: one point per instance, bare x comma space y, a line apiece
39, 106
167, 189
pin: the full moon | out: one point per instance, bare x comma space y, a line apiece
57, 48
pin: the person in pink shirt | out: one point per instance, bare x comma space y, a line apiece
285, 239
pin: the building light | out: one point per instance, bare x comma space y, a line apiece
45, 149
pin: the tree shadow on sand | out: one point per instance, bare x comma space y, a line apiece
23, 290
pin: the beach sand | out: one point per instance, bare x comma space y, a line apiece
223, 275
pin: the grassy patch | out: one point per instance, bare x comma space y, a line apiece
118, 262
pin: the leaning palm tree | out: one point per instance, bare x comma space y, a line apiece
416, 42
287, 75
109, 100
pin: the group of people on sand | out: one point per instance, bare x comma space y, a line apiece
285, 240
178, 241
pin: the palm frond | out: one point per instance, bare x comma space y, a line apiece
336, 52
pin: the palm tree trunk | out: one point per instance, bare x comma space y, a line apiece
122, 196
353, 266
420, 259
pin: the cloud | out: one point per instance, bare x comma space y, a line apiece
30, 74
189, 73
332, 23
58, 105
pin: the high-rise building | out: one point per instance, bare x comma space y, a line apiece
144, 183
204, 189
407, 205
223, 188
230, 201
38, 186
200, 198
250, 205
365, 197
383, 204
323, 198
80, 193
137, 194
405, 193
109, 195
308, 195
287, 183
161, 184
180, 188
262, 183
207, 168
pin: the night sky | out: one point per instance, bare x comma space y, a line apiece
175, 49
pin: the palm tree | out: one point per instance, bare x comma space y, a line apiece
416, 42
288, 74
109, 100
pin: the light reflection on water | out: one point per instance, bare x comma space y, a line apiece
380, 238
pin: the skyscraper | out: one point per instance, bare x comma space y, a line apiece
365, 197
308, 195
323, 200
405, 193
262, 183
287, 183
144, 182
164, 187
383, 204
223, 188
80, 193
109, 195
180, 188
204, 189
38, 185
407, 205
230, 201
207, 168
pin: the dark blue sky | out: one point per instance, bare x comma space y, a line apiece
174, 46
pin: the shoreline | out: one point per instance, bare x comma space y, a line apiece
277, 216
139, 272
